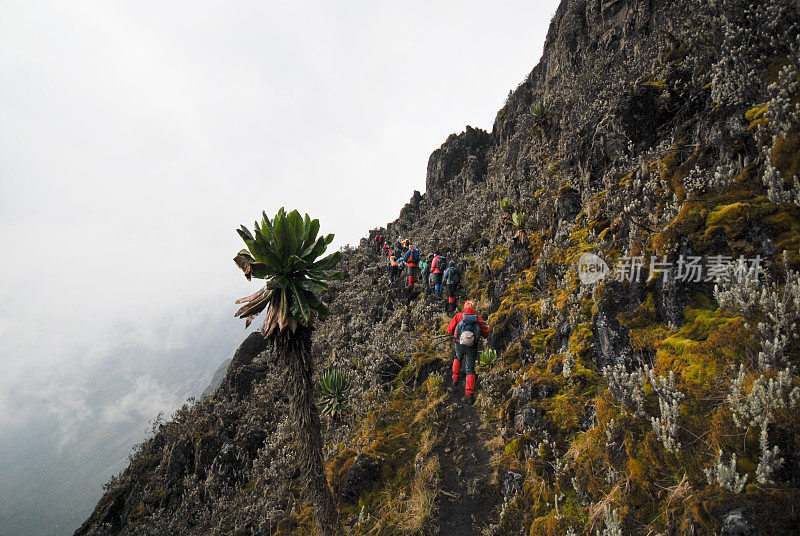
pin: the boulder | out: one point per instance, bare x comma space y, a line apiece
243, 372
735, 523
358, 478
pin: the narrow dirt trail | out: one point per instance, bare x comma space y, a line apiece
468, 488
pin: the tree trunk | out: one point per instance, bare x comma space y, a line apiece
295, 350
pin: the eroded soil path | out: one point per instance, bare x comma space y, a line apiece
468, 489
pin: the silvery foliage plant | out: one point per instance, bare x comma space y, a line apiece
726, 475
757, 408
751, 39
743, 292
699, 181
612, 523
669, 399
739, 290
782, 117
627, 387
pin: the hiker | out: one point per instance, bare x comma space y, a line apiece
452, 278
394, 269
437, 269
425, 270
466, 328
411, 258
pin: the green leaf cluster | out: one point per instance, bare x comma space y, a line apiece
505, 204
333, 389
538, 110
487, 357
286, 251
518, 219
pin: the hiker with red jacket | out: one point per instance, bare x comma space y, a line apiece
411, 258
437, 269
466, 328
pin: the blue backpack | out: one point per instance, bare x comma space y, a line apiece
415, 255
467, 330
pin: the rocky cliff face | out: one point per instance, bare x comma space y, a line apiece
658, 404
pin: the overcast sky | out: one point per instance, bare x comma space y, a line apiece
136, 136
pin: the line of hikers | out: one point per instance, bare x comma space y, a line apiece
466, 327
436, 272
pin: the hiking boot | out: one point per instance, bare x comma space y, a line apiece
468, 400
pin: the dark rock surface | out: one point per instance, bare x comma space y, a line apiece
612, 341
459, 164
735, 523
359, 477
242, 372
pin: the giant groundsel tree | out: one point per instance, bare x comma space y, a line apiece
287, 253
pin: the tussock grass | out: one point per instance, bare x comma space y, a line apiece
420, 508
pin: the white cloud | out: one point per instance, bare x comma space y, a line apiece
146, 398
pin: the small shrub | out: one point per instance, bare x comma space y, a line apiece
726, 475
435, 379
612, 525
538, 111
669, 400
488, 357
627, 387
434, 382
334, 388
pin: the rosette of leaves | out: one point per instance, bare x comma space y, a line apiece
518, 221
286, 253
333, 389
538, 111
487, 357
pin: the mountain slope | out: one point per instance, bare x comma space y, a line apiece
654, 404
